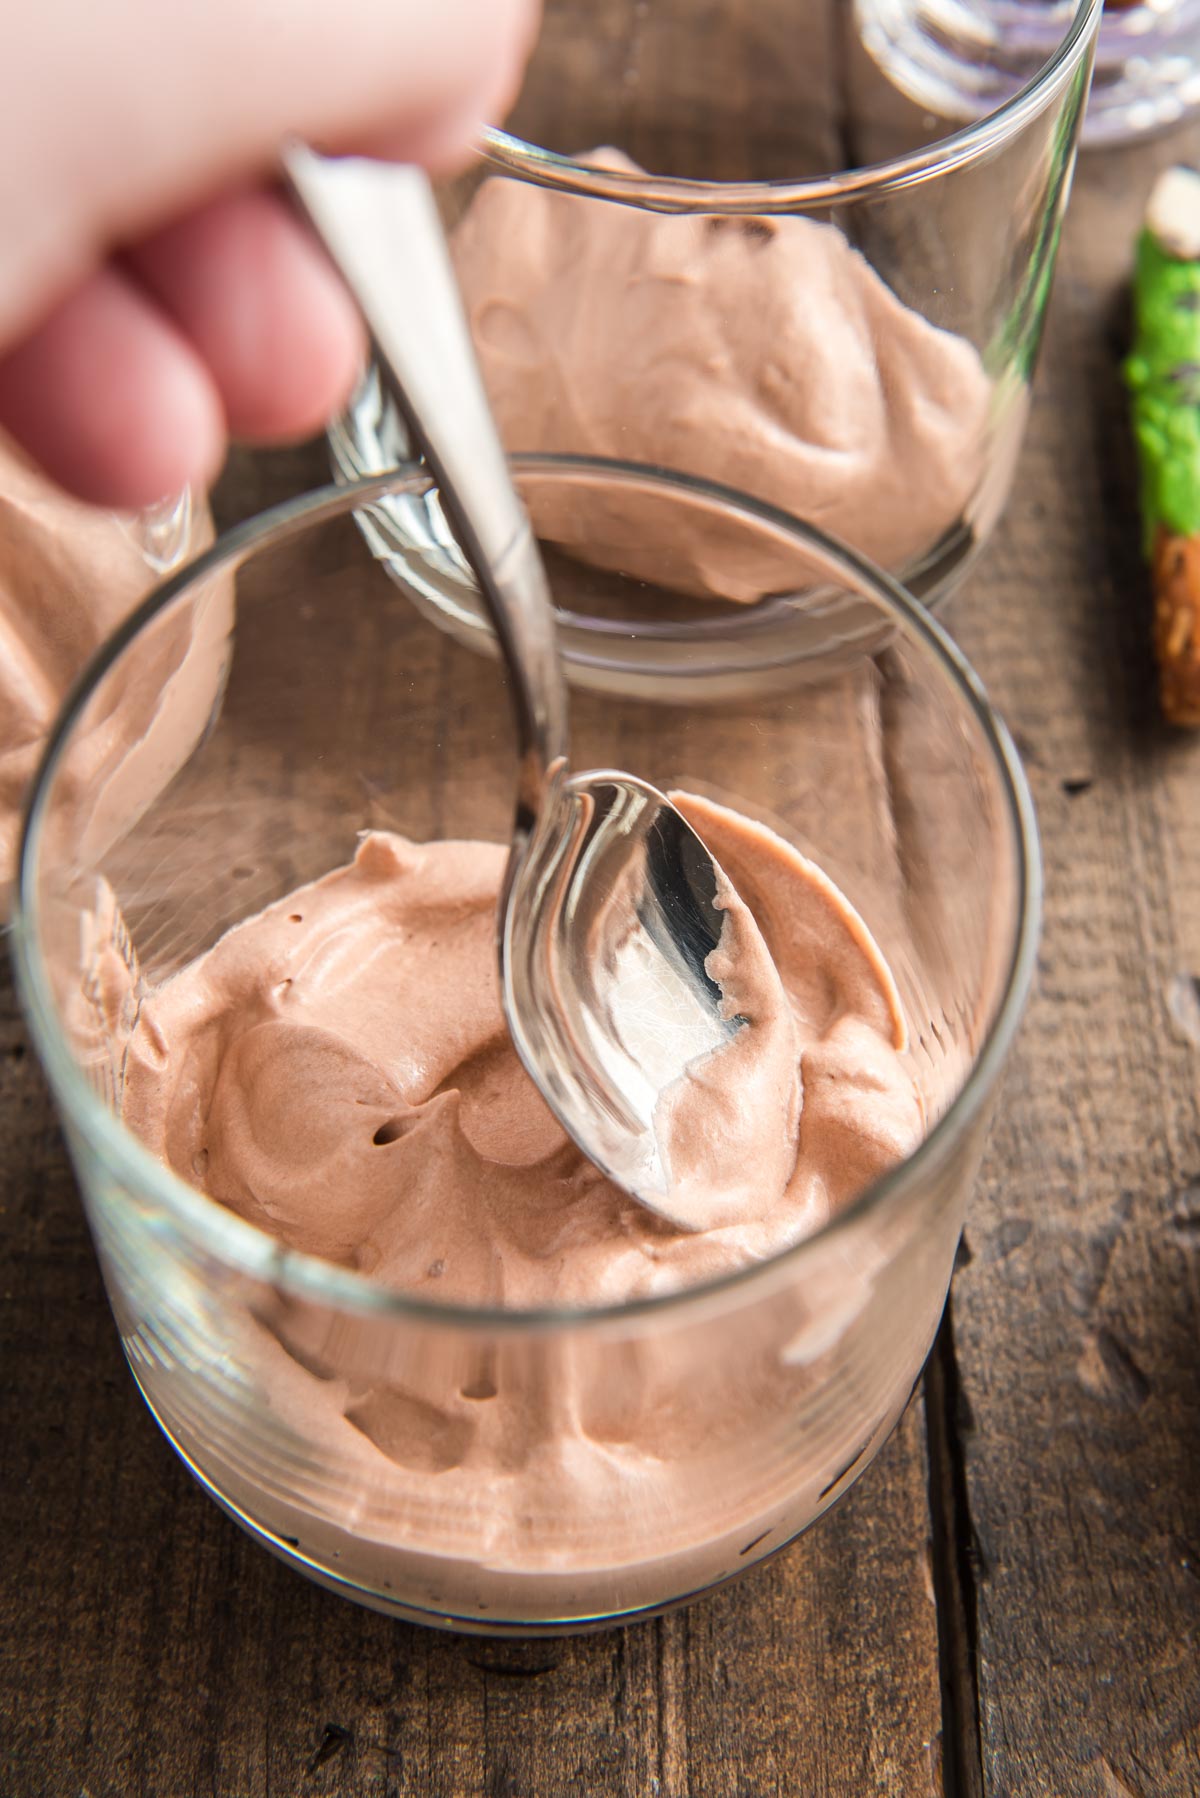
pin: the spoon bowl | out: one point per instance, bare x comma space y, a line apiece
611, 917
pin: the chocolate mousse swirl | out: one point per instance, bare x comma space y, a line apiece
337, 1070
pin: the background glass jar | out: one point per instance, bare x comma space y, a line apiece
487, 1468
803, 296
962, 58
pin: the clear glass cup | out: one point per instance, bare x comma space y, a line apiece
805, 297
466, 1466
962, 58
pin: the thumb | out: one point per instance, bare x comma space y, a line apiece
116, 118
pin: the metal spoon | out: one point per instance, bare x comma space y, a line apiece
609, 908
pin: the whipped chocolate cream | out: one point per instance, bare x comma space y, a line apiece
338, 1071
764, 353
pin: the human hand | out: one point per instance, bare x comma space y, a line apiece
155, 292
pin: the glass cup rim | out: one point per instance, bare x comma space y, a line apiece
673, 193
247, 1249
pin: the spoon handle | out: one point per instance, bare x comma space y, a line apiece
380, 225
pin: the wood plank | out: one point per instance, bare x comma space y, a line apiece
1077, 1319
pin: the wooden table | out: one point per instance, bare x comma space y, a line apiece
1009, 1601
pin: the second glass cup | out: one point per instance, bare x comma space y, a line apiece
468, 1461
677, 262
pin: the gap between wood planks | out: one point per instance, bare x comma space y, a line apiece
954, 1566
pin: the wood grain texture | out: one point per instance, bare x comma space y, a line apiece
1077, 1319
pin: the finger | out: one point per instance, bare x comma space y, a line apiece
111, 399
256, 297
158, 109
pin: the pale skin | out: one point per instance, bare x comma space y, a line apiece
157, 295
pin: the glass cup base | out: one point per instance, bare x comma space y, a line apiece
479, 1623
